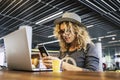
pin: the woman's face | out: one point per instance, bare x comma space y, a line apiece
67, 34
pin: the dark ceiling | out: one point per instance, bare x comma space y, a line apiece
102, 18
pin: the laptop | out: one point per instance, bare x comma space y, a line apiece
18, 48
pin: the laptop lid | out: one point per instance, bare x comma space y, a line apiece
18, 49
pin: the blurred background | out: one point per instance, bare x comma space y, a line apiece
102, 18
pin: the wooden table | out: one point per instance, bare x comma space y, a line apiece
66, 75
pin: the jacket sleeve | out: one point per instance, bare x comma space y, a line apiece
92, 58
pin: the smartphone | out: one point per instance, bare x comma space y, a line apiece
43, 50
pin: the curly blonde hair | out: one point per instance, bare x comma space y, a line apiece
82, 38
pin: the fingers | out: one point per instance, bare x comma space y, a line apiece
47, 61
47, 58
48, 65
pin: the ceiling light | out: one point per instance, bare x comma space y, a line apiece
1, 38
114, 41
110, 35
89, 26
51, 36
99, 39
112, 31
113, 38
49, 42
49, 17
93, 38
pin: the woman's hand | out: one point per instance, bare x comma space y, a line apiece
47, 61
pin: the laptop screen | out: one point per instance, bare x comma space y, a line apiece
18, 49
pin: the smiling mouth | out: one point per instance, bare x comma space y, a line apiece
67, 38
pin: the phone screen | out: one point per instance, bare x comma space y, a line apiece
43, 50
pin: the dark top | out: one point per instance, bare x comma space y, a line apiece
88, 60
